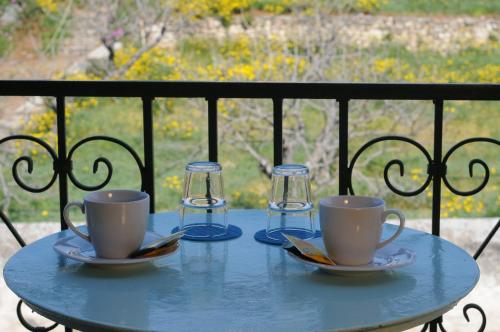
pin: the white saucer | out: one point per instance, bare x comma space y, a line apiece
389, 257
78, 249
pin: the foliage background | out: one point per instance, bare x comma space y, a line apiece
135, 34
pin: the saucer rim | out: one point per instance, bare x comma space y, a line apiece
107, 261
359, 268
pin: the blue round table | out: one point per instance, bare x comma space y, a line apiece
239, 285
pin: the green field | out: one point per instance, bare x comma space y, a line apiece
180, 126
245, 186
241, 171
447, 7
450, 7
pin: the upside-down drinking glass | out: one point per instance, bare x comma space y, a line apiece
290, 209
203, 207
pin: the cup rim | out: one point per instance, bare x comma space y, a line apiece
326, 203
141, 196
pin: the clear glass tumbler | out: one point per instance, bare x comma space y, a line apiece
290, 209
203, 207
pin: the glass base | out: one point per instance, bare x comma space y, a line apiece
203, 202
290, 207
301, 233
204, 230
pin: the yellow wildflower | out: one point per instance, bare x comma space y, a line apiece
383, 65
48, 5
172, 182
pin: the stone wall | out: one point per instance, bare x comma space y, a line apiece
438, 33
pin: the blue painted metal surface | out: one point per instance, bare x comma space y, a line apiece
240, 285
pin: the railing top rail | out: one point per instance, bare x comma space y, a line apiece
199, 89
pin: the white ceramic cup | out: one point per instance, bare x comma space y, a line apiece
352, 227
116, 221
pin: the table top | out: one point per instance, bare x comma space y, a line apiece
240, 285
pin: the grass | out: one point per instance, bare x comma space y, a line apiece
449, 7
240, 170
5, 37
245, 186
4, 45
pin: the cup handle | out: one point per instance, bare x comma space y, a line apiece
70, 224
400, 229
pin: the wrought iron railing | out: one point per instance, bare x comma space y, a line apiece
277, 92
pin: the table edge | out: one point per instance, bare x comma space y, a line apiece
83, 325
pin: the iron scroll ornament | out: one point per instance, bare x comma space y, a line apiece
465, 310
27, 325
471, 166
431, 164
57, 168
397, 162
104, 161
29, 161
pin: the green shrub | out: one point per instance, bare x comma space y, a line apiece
4, 45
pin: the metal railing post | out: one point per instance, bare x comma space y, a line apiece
277, 131
212, 129
437, 168
61, 162
343, 146
149, 183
